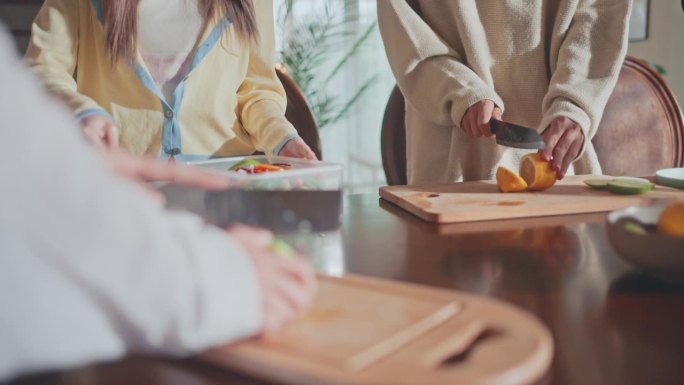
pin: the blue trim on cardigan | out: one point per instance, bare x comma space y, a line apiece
279, 147
99, 9
92, 112
171, 133
187, 157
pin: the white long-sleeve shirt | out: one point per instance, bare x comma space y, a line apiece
536, 59
90, 267
166, 51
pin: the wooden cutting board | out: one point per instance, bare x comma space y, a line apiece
370, 331
478, 201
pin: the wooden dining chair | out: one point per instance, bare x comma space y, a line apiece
299, 113
393, 139
642, 129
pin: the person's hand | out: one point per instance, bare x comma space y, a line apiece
475, 121
296, 148
564, 139
288, 284
101, 132
141, 170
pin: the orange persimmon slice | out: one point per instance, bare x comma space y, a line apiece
671, 220
537, 172
265, 167
508, 181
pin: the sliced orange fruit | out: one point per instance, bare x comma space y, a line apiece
671, 220
537, 172
508, 181
265, 167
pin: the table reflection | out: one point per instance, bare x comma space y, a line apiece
324, 250
608, 328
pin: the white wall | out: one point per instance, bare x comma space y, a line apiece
665, 43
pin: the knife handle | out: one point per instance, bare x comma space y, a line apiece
493, 124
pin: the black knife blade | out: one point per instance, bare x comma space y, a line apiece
513, 135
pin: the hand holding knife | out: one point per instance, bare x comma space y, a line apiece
559, 144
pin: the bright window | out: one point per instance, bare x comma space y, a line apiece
354, 141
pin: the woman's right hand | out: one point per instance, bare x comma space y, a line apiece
100, 131
288, 284
475, 121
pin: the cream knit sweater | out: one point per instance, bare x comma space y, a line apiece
536, 59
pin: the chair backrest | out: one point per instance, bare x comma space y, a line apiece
393, 139
642, 129
299, 113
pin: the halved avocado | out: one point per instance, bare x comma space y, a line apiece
597, 183
247, 163
630, 186
636, 228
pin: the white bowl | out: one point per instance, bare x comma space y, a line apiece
672, 177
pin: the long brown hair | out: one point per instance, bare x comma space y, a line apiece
121, 22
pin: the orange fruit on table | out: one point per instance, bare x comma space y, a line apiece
537, 172
671, 220
508, 181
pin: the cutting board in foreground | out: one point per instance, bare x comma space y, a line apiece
370, 331
482, 200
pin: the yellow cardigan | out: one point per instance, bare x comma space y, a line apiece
231, 102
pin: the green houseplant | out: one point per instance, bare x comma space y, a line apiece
310, 55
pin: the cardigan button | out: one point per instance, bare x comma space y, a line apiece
168, 114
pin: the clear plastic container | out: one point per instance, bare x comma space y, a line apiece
302, 175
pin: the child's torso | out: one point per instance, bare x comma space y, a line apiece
168, 31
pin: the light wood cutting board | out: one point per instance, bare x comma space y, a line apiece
370, 331
478, 201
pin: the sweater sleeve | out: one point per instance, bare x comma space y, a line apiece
261, 97
432, 76
164, 281
53, 51
586, 63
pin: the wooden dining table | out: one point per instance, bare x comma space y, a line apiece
611, 322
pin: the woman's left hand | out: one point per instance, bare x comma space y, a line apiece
564, 139
296, 148
142, 170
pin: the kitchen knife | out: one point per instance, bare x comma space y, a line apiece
513, 135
